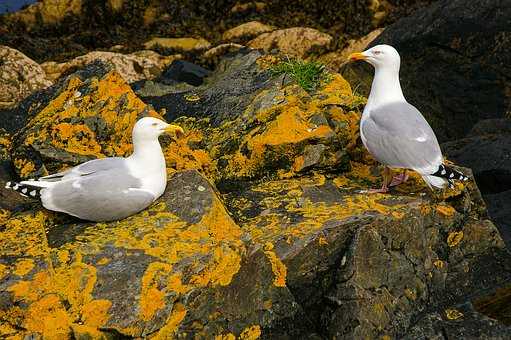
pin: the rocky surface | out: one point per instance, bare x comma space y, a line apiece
454, 63
19, 77
245, 32
60, 30
297, 42
263, 231
132, 67
487, 150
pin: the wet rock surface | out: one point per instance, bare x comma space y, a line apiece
263, 230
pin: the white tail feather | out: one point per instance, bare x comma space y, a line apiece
434, 181
38, 184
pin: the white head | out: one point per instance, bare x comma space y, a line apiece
149, 128
380, 56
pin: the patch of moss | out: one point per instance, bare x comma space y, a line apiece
308, 74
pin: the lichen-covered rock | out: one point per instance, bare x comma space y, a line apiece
179, 268
86, 116
253, 126
132, 67
178, 45
287, 247
246, 31
297, 42
19, 77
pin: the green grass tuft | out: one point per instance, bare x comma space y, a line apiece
308, 74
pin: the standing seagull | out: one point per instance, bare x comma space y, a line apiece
108, 189
394, 131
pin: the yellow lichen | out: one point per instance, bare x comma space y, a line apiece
454, 238
23, 267
439, 264
25, 167
445, 210
228, 336
78, 139
251, 333
152, 296
176, 317
278, 268
453, 314
95, 313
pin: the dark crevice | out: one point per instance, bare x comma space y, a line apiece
493, 181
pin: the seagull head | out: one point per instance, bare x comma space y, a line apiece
149, 128
380, 56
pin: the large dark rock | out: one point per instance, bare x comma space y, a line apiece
487, 151
455, 62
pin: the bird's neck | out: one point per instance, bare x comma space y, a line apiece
148, 153
385, 88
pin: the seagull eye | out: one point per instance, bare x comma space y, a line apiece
154, 124
376, 52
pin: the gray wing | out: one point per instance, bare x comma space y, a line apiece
397, 135
101, 196
95, 165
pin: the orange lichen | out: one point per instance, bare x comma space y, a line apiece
322, 240
3, 271
33, 242
95, 313
49, 317
278, 268
25, 167
4, 215
445, 210
104, 260
454, 238
179, 155
152, 296
23, 267
251, 333
176, 317
78, 139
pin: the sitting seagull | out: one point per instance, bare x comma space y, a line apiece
108, 189
394, 131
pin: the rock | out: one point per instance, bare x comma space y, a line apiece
454, 63
459, 322
255, 127
178, 45
178, 267
246, 31
48, 12
19, 77
132, 67
88, 115
184, 71
213, 56
336, 59
295, 42
487, 151
257, 6
264, 240
399, 254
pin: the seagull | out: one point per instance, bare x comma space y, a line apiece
108, 189
394, 132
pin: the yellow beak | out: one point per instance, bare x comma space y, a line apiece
356, 56
177, 130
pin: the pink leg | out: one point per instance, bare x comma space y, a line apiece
385, 184
401, 178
